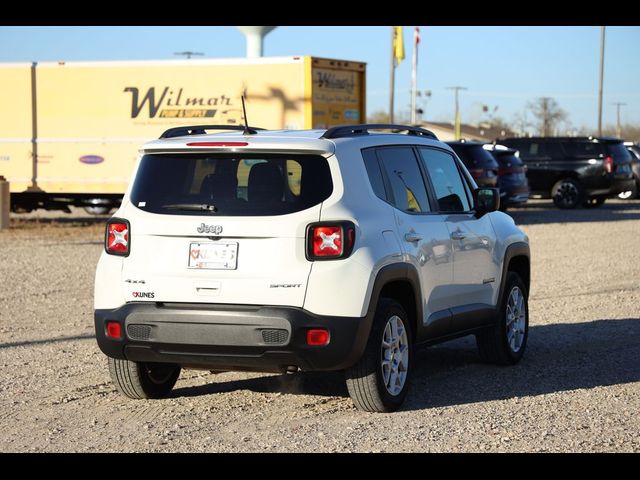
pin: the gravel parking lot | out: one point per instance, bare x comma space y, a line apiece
577, 388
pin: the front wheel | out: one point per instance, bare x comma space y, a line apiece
141, 380
505, 342
380, 380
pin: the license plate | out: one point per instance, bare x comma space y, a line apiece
213, 255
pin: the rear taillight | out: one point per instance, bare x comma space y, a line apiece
118, 237
114, 330
608, 164
318, 337
330, 240
509, 170
476, 172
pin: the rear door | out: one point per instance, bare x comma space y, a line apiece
246, 247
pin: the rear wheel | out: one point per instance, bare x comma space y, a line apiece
567, 193
141, 380
505, 342
380, 380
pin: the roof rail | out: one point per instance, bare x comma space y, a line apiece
201, 129
352, 130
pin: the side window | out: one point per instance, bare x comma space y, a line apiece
447, 182
583, 149
533, 150
374, 173
403, 173
554, 150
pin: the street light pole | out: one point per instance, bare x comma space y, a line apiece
618, 129
456, 89
601, 80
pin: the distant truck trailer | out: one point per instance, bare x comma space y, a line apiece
71, 130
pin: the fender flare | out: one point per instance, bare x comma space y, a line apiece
517, 249
389, 273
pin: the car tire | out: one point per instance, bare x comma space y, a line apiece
594, 202
140, 380
505, 342
567, 193
380, 380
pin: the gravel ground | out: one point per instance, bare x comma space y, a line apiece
577, 388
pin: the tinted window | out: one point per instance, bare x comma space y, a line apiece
583, 149
618, 151
507, 159
374, 173
554, 150
235, 185
405, 179
532, 150
475, 157
446, 180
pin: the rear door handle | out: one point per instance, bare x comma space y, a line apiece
412, 237
458, 236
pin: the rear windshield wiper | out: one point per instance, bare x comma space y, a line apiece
204, 207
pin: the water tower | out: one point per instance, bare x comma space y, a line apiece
255, 36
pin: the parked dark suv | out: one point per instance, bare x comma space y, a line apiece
480, 163
512, 176
575, 171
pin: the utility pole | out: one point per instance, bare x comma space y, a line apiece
618, 130
414, 74
188, 53
456, 89
601, 80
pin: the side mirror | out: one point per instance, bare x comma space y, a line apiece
486, 200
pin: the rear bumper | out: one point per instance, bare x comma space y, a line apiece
513, 195
231, 337
617, 185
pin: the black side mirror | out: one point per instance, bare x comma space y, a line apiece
486, 200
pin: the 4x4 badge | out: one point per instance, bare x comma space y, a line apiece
215, 229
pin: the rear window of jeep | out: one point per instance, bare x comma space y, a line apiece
231, 185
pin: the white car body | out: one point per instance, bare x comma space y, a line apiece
447, 267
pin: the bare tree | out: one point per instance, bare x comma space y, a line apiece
548, 114
628, 132
521, 123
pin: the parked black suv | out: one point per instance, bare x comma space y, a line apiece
512, 176
575, 171
480, 163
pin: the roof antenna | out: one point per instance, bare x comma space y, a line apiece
247, 130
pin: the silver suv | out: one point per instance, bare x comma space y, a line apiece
280, 251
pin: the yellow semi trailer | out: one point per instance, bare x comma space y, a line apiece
70, 131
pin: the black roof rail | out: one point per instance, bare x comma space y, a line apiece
353, 130
201, 129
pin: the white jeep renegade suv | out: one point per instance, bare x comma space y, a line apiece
280, 251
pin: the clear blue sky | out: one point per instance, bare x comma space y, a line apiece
500, 66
